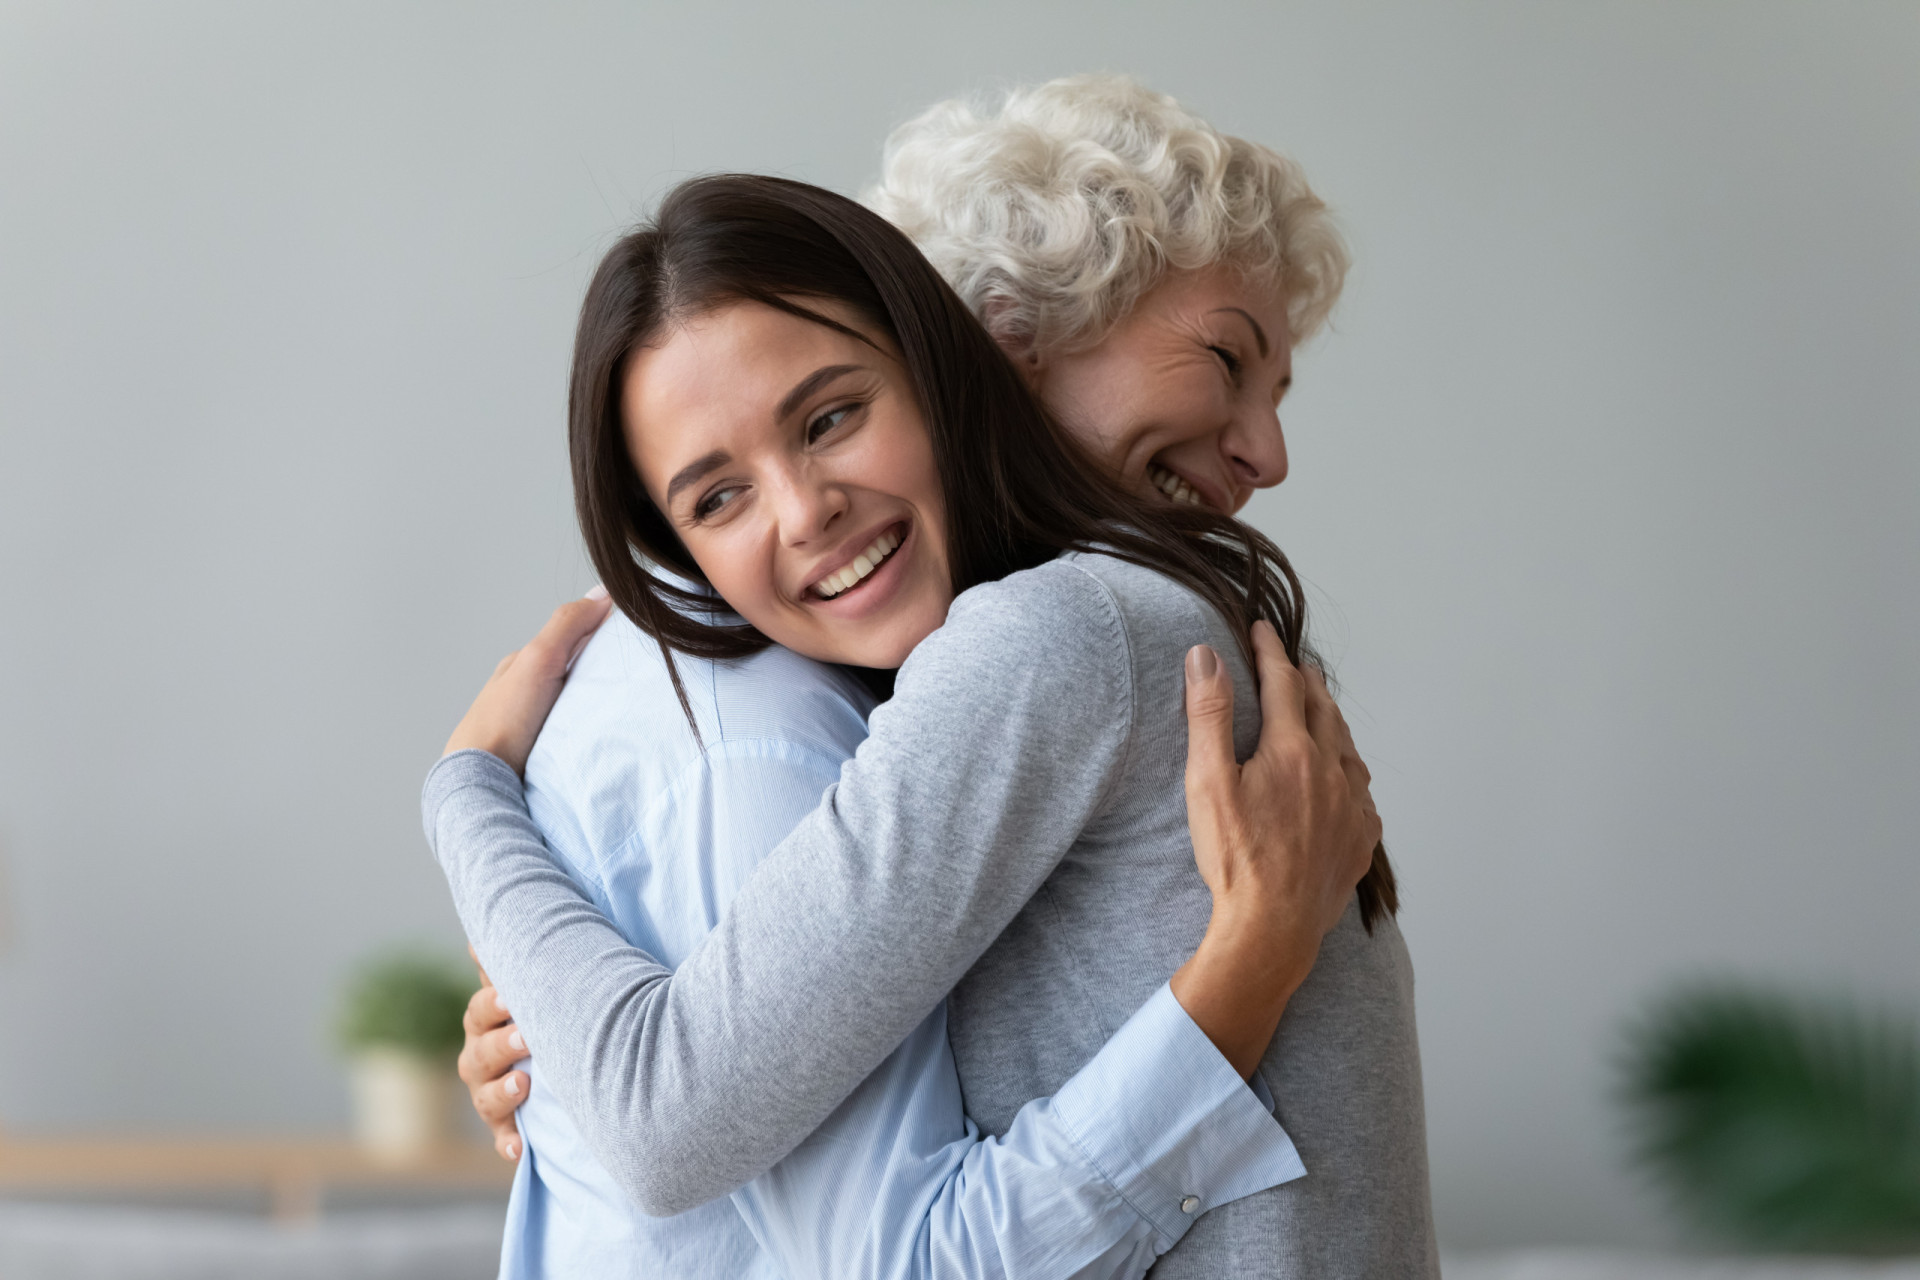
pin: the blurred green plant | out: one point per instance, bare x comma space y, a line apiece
410, 1001
1781, 1124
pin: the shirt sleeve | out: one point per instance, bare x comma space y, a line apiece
1097, 1181
1006, 729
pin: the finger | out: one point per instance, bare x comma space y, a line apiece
1283, 694
506, 1141
1350, 758
1324, 721
568, 630
484, 1012
497, 1101
1332, 735
498, 1050
1210, 757
594, 593
489, 1057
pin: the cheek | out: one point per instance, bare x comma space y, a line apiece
737, 571
901, 463
1101, 413
1192, 405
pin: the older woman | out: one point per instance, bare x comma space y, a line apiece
1149, 274
1151, 277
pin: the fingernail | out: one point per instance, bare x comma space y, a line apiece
517, 1040
1201, 664
512, 1086
597, 591
513, 1151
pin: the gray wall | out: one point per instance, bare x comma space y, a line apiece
1605, 485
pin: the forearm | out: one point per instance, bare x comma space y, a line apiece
687, 1084
950, 817
1096, 1181
579, 991
1237, 983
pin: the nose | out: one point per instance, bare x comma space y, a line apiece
1255, 447
806, 506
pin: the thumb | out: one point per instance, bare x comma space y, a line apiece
1210, 759
569, 629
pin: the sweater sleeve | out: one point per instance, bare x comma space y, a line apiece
1006, 729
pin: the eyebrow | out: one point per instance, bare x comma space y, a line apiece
810, 384
694, 471
708, 463
1260, 335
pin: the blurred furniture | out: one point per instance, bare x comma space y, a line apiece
1605, 1264
91, 1242
294, 1174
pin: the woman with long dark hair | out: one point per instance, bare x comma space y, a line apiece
1032, 744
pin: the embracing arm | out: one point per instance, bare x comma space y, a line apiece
690, 1084
1095, 1182
978, 776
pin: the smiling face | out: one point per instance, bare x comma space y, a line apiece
793, 462
1181, 398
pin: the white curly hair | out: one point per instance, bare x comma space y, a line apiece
1052, 214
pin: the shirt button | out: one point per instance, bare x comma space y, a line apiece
1190, 1205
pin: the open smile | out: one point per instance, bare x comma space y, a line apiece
851, 576
1176, 487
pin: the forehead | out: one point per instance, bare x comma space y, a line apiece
1221, 288
723, 373
734, 354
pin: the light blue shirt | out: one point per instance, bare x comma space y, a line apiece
659, 831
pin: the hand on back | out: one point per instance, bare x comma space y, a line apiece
513, 704
1280, 840
504, 720
1292, 830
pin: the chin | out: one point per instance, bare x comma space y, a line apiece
886, 658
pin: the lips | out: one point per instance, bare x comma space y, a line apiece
856, 571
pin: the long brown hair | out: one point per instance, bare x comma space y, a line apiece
1027, 492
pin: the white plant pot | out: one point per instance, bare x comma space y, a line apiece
403, 1105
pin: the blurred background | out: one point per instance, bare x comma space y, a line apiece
1606, 482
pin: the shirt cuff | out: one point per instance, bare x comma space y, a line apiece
1169, 1122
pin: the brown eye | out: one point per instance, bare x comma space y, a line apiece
828, 421
712, 502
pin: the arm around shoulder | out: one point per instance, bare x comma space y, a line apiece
1005, 732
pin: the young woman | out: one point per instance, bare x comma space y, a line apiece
1029, 739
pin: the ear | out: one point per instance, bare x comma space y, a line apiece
1019, 345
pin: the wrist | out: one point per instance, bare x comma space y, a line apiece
1268, 948
1237, 983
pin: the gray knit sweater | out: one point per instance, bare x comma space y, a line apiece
1013, 831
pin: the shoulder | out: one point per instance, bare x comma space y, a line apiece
1050, 603
1047, 636
617, 741
1086, 599
619, 690
1156, 611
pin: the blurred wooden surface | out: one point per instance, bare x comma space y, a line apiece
294, 1174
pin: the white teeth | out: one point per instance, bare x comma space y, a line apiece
1172, 485
863, 564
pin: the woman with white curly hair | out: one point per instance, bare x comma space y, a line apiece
1150, 277
1150, 274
